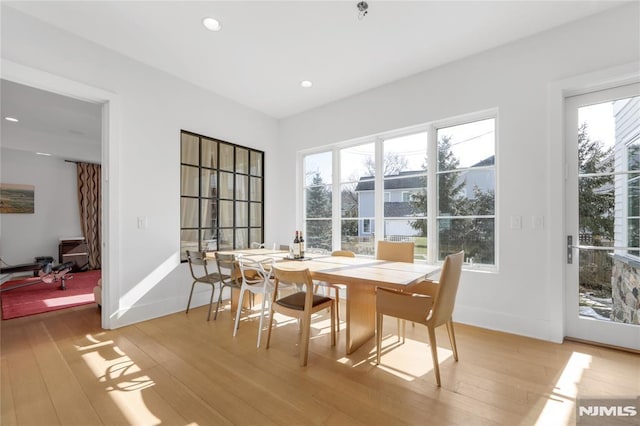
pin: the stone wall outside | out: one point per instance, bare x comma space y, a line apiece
625, 291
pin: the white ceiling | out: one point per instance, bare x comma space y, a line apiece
266, 48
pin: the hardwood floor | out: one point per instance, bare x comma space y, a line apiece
62, 368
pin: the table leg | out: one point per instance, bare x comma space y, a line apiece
361, 315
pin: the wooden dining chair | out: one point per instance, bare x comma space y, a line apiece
336, 287
199, 260
300, 305
395, 251
429, 303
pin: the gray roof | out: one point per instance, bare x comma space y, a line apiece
403, 180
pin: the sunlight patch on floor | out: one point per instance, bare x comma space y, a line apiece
63, 301
410, 360
560, 405
121, 379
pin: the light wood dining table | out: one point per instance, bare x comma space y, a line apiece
361, 275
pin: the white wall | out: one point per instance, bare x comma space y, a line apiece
56, 215
153, 108
515, 79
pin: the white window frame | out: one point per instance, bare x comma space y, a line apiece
432, 190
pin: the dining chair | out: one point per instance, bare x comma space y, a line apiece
231, 279
429, 303
395, 251
300, 305
336, 287
256, 280
257, 245
198, 259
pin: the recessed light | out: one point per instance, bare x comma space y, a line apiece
46, 154
306, 83
12, 119
211, 24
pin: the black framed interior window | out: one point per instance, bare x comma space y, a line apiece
221, 194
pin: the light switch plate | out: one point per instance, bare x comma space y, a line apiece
516, 222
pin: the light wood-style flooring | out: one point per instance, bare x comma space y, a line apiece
61, 368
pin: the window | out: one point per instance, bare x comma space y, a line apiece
466, 191
434, 186
221, 205
318, 202
357, 197
405, 180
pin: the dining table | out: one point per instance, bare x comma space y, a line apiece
361, 275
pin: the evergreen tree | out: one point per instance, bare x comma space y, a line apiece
318, 206
451, 202
596, 198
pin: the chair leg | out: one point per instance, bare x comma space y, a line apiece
238, 309
304, 339
213, 293
215, 316
333, 324
337, 289
264, 302
270, 325
452, 338
378, 337
434, 353
190, 295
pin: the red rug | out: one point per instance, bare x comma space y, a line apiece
43, 297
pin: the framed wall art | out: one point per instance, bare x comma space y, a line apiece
16, 198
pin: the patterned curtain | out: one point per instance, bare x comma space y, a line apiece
90, 203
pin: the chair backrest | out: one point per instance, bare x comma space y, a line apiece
226, 263
448, 288
343, 253
197, 258
299, 278
395, 251
252, 271
257, 245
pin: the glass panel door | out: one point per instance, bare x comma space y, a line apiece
603, 217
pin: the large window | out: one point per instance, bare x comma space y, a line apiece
318, 201
357, 195
405, 181
434, 186
466, 191
221, 205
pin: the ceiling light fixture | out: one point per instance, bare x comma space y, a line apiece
46, 154
211, 24
306, 84
363, 9
11, 119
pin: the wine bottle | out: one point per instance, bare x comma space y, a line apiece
296, 247
301, 245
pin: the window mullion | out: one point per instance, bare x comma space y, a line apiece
379, 192
336, 201
432, 195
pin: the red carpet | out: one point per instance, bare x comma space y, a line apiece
42, 297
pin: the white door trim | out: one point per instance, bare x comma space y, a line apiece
556, 230
111, 127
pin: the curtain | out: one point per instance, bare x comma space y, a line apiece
90, 204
